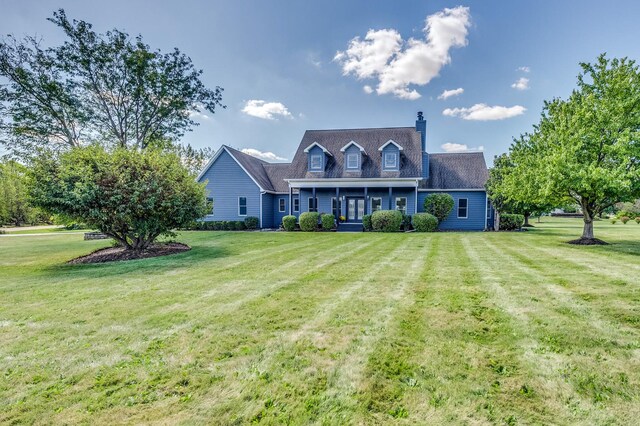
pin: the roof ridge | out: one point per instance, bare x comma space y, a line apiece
361, 128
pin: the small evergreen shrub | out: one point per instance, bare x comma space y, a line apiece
425, 222
328, 221
511, 222
386, 220
638, 220
625, 219
238, 225
289, 223
366, 222
251, 222
309, 221
614, 220
439, 205
406, 222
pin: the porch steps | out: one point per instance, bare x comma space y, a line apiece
350, 227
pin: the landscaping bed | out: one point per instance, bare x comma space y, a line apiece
114, 254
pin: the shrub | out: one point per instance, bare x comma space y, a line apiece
425, 222
625, 219
406, 222
439, 205
386, 220
511, 222
239, 225
309, 221
614, 220
251, 222
328, 221
638, 220
289, 223
626, 213
366, 222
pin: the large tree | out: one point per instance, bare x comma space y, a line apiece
586, 148
106, 88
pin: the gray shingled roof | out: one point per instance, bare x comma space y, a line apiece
277, 173
254, 166
460, 170
370, 140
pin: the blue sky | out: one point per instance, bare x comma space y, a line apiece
277, 61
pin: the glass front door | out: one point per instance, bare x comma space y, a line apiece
355, 209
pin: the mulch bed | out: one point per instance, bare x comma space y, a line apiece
588, 242
114, 254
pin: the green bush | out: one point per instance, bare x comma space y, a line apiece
638, 220
511, 222
626, 213
309, 221
625, 219
425, 222
439, 205
289, 223
251, 222
366, 222
328, 221
386, 220
406, 222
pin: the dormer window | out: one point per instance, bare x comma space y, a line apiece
318, 156
390, 160
353, 161
353, 156
316, 161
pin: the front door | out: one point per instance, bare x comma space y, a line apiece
355, 209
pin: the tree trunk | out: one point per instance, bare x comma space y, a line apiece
587, 217
526, 220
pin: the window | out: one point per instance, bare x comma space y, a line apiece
210, 203
242, 206
462, 208
334, 207
313, 204
353, 161
296, 204
376, 204
488, 210
316, 161
401, 204
390, 160
282, 205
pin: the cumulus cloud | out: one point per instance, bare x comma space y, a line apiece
524, 69
396, 63
459, 147
521, 84
266, 110
483, 112
367, 89
449, 93
268, 156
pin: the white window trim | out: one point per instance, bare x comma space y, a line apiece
371, 203
319, 168
466, 209
246, 206
294, 205
384, 161
406, 204
357, 157
282, 205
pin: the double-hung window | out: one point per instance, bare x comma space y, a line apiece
210, 203
334, 206
401, 204
316, 162
376, 204
463, 207
390, 160
296, 204
353, 161
282, 205
242, 206
313, 204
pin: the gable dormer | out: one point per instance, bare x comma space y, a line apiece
353, 157
390, 152
317, 156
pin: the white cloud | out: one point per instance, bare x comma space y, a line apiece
483, 112
197, 115
448, 93
396, 63
269, 156
524, 69
368, 89
521, 84
266, 110
458, 147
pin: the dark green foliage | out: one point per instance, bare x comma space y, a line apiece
439, 205
15, 206
511, 222
132, 196
386, 220
251, 222
406, 222
327, 221
627, 213
366, 222
309, 221
289, 223
425, 222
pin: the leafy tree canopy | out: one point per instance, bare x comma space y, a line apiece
439, 205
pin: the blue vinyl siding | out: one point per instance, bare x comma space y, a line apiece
277, 214
268, 200
476, 211
325, 195
226, 181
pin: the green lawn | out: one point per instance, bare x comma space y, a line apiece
327, 328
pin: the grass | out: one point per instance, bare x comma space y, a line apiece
277, 328
44, 231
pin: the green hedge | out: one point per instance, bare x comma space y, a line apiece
386, 220
511, 222
425, 222
366, 222
309, 221
289, 223
327, 221
251, 222
217, 225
